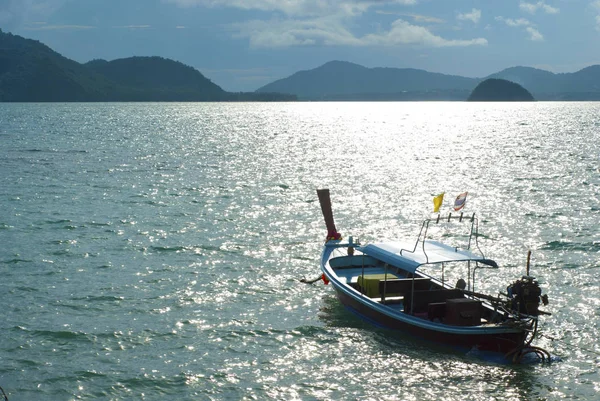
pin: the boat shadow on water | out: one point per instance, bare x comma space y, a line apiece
343, 319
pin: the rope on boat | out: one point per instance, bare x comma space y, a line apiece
321, 277
518, 353
4, 394
526, 348
303, 280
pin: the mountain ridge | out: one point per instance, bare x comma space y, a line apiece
340, 83
30, 71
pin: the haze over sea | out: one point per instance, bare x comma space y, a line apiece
154, 251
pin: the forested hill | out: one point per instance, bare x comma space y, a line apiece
499, 90
341, 80
156, 78
32, 72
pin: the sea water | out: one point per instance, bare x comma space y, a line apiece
153, 251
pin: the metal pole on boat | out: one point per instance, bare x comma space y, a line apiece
469, 276
471, 233
385, 281
412, 294
362, 280
442, 273
528, 260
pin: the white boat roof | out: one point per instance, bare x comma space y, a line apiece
400, 254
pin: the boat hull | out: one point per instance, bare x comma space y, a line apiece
501, 342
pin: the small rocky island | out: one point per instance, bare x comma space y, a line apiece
499, 90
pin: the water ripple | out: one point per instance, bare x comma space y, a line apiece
153, 251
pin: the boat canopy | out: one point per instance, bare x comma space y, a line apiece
401, 254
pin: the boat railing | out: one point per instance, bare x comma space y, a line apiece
422, 237
472, 242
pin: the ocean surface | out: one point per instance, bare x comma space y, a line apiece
153, 251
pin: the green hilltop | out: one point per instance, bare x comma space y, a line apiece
32, 72
499, 90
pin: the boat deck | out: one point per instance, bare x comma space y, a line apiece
398, 290
367, 281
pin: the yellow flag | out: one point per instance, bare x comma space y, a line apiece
437, 202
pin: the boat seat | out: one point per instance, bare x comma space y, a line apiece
420, 300
368, 284
463, 312
401, 287
436, 311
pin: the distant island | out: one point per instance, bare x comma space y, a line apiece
499, 90
341, 80
32, 72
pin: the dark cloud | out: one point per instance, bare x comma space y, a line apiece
15, 14
11, 13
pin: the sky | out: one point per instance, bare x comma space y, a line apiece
242, 45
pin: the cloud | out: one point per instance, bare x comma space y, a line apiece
404, 33
286, 33
327, 22
134, 26
540, 5
425, 18
15, 13
415, 17
474, 15
297, 7
596, 5
534, 34
329, 32
43, 27
514, 22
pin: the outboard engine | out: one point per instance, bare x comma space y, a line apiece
525, 296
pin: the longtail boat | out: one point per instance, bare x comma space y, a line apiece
391, 285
